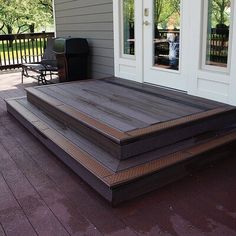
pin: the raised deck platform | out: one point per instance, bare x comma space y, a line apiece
124, 138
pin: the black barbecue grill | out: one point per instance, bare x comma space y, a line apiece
72, 57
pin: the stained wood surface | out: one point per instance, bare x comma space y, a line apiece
97, 167
125, 107
181, 208
126, 118
42, 120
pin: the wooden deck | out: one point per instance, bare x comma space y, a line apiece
39, 195
123, 138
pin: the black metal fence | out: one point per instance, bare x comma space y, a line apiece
16, 49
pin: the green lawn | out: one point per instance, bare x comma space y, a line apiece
19, 49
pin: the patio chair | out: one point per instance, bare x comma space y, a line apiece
47, 66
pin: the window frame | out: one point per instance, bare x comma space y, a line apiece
203, 57
121, 23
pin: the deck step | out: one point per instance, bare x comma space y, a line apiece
118, 180
130, 143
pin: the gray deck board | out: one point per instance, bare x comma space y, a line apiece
177, 96
124, 108
84, 144
111, 118
110, 103
139, 97
128, 102
97, 153
12, 216
182, 208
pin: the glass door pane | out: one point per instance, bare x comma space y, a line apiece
166, 34
218, 25
128, 27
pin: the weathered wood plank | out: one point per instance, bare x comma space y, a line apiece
13, 220
35, 190
95, 110
169, 160
157, 112
143, 98
84, 144
179, 97
89, 121
108, 104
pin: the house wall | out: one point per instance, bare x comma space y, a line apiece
92, 20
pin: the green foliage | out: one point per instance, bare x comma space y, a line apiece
220, 11
18, 16
128, 10
164, 9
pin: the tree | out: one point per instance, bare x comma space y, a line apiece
164, 9
221, 11
47, 5
18, 16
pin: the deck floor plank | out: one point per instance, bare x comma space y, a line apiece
197, 102
201, 204
106, 102
125, 107
13, 220
60, 216
40, 215
135, 101
2, 232
143, 98
108, 117
93, 207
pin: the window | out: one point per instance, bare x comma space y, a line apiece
128, 25
218, 31
166, 34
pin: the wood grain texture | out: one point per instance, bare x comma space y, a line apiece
183, 207
125, 118
113, 179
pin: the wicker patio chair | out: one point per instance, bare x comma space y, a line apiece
47, 66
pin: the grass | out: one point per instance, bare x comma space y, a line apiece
19, 50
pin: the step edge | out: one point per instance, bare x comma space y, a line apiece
86, 120
114, 180
167, 161
43, 129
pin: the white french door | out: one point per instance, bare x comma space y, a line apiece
166, 43
179, 44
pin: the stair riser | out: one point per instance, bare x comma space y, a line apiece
90, 134
142, 144
132, 187
173, 135
171, 174
86, 175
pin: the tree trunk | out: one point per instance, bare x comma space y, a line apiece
9, 31
32, 28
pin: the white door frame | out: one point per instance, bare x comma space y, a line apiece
216, 85
160, 76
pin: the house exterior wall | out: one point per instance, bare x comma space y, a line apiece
100, 22
92, 20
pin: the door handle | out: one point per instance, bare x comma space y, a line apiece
146, 23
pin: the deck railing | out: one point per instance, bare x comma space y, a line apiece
16, 49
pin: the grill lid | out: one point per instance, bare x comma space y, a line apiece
71, 46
